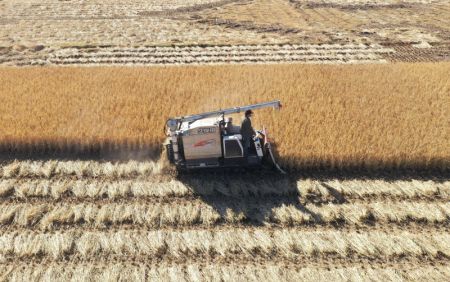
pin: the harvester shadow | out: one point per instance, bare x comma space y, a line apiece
249, 198
107, 150
258, 198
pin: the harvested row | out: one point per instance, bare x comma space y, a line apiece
184, 59
386, 211
263, 243
81, 169
343, 190
237, 48
169, 52
23, 188
197, 213
197, 50
241, 54
79, 189
316, 59
322, 60
332, 53
220, 49
218, 272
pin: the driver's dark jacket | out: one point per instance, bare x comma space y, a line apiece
247, 131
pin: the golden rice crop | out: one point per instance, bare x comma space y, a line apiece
372, 116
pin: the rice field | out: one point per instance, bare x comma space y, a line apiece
86, 193
366, 116
122, 214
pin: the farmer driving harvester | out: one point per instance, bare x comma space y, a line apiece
247, 131
210, 139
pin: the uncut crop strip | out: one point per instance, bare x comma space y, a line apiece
331, 53
382, 135
247, 244
197, 213
220, 272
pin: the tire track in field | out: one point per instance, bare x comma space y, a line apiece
268, 199
249, 271
411, 227
321, 261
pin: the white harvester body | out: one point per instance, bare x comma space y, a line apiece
201, 139
211, 140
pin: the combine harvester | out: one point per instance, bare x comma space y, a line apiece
210, 140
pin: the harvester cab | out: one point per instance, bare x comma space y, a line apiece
212, 140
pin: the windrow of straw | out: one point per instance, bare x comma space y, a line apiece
24, 189
196, 213
282, 244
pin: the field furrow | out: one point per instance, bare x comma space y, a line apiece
198, 213
223, 244
220, 272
